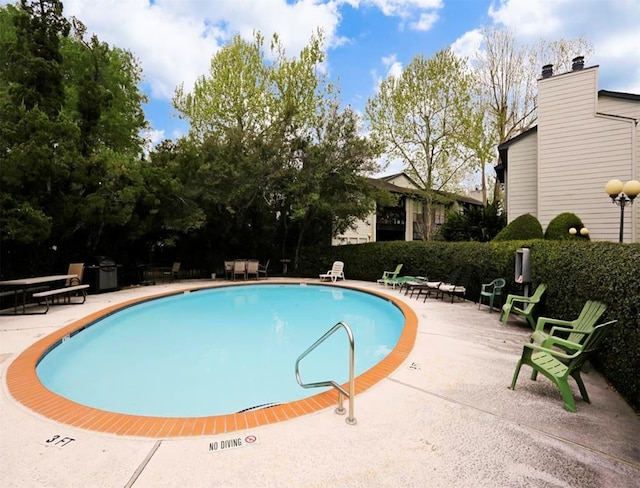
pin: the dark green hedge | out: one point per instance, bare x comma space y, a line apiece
575, 271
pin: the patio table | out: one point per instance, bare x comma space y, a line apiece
24, 284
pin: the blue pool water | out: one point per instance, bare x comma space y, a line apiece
219, 351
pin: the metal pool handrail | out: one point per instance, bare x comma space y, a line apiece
350, 394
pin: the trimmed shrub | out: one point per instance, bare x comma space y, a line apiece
524, 227
558, 228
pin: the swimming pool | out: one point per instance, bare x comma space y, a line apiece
25, 386
219, 351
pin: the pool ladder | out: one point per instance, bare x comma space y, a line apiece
341, 391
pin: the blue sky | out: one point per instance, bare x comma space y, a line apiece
367, 39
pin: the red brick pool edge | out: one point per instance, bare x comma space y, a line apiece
24, 385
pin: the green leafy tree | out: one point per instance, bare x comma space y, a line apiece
425, 119
508, 71
70, 144
104, 100
474, 223
271, 137
38, 147
326, 194
233, 100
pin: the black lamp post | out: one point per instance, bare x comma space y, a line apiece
622, 195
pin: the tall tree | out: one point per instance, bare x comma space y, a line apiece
328, 191
508, 73
38, 141
265, 129
70, 145
423, 118
233, 100
105, 101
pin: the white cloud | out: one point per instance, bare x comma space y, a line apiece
421, 14
175, 39
531, 18
400, 8
394, 67
425, 22
468, 45
612, 27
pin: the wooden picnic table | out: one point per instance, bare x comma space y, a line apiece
23, 285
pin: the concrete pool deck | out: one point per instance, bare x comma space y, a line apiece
445, 417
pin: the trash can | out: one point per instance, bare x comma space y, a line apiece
103, 275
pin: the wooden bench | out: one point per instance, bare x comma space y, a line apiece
65, 293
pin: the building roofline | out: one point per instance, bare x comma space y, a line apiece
622, 95
385, 185
522, 135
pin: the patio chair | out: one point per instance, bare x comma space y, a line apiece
492, 291
172, 274
558, 366
240, 268
525, 311
335, 273
76, 269
253, 266
570, 330
228, 270
263, 268
389, 276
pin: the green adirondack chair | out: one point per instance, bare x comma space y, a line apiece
389, 276
525, 311
570, 329
558, 366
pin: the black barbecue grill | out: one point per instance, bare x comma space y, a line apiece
102, 275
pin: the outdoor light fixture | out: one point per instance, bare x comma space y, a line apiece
622, 194
583, 231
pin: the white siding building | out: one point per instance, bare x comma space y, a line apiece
584, 138
400, 222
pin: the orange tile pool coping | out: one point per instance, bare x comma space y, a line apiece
25, 386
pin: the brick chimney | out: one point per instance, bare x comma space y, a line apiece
577, 63
547, 71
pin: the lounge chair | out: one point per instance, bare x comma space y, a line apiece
457, 287
410, 285
525, 311
558, 366
388, 277
433, 286
400, 281
335, 273
492, 291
